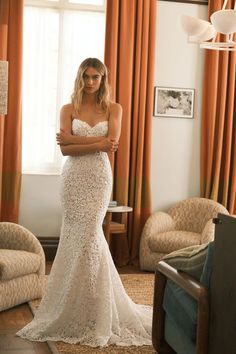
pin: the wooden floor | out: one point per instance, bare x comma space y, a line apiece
14, 319
10, 322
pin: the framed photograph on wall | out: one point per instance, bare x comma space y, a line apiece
173, 102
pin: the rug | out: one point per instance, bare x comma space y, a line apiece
140, 288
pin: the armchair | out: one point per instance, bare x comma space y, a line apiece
187, 223
197, 316
22, 265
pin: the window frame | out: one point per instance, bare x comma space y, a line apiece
65, 5
61, 6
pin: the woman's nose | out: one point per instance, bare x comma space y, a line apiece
89, 80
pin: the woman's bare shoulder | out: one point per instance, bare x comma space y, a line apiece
115, 107
67, 108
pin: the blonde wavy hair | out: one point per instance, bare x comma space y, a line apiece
103, 94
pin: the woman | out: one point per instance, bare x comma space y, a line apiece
85, 301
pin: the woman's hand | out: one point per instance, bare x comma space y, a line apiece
64, 138
108, 145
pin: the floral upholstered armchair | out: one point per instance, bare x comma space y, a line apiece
22, 265
187, 223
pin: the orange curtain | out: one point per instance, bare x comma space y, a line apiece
129, 56
11, 26
218, 145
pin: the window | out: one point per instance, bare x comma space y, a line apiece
58, 35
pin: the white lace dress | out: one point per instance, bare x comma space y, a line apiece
85, 301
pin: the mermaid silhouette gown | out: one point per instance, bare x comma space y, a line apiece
85, 301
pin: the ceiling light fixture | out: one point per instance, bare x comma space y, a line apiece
205, 33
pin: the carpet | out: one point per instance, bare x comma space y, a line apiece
140, 288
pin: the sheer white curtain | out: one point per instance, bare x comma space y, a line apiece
55, 43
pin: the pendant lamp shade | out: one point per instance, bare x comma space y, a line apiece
224, 21
205, 33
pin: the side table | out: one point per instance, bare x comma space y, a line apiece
113, 227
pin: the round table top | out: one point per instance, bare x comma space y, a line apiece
119, 209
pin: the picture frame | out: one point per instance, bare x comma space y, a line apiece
173, 102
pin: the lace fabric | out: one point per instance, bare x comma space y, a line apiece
85, 301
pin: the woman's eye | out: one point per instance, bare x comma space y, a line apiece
94, 78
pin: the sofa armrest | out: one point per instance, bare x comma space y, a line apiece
194, 289
17, 237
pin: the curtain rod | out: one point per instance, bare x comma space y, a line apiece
203, 2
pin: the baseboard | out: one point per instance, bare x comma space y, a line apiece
49, 245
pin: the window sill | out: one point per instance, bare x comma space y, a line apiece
28, 173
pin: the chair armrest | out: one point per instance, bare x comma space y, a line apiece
158, 318
156, 224
184, 280
194, 289
159, 222
208, 232
17, 237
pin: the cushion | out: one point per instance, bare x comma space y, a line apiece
181, 308
190, 259
15, 263
18, 290
170, 241
208, 265
177, 338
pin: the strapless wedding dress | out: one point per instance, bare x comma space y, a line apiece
85, 301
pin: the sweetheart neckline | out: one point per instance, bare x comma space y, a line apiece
91, 126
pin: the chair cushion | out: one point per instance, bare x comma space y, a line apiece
170, 241
15, 263
177, 338
19, 290
181, 308
190, 259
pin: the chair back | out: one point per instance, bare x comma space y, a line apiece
222, 338
192, 214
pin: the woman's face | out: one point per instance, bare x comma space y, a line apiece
92, 80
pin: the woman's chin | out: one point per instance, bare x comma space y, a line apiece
90, 91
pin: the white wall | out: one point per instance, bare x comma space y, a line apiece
40, 209
175, 142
